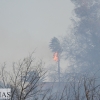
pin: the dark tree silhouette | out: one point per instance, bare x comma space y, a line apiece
55, 45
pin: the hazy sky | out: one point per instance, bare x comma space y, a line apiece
29, 24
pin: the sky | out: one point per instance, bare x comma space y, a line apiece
28, 25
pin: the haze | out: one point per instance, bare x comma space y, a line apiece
26, 25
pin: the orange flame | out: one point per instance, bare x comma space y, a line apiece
55, 57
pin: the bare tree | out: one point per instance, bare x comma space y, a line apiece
25, 80
26, 83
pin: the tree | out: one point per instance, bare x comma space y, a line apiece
25, 84
55, 45
86, 52
25, 81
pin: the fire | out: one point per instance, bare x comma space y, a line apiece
55, 57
